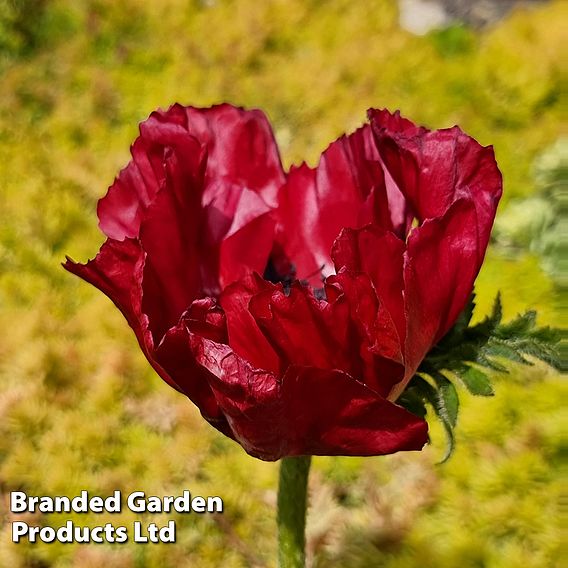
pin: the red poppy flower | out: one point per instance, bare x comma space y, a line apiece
293, 308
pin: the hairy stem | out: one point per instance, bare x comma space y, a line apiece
292, 503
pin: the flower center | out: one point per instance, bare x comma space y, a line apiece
285, 274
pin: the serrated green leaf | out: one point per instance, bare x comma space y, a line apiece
493, 320
445, 403
467, 313
462, 322
520, 326
541, 351
486, 327
465, 350
547, 335
450, 445
448, 401
413, 402
475, 381
497, 312
482, 360
501, 348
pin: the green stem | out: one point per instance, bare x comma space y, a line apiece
292, 502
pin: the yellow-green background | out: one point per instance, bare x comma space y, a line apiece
79, 406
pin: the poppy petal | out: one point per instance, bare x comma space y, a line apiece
306, 412
245, 337
380, 254
117, 272
240, 149
207, 319
372, 340
346, 189
433, 169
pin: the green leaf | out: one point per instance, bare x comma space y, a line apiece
413, 402
521, 325
497, 311
447, 399
476, 381
445, 403
500, 348
482, 360
490, 323
548, 335
463, 350
540, 350
462, 322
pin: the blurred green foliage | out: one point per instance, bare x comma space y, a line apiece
80, 407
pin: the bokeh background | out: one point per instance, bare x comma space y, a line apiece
79, 406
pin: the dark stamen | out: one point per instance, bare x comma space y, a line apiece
317, 271
319, 294
273, 275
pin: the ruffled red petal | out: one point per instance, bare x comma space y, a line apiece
308, 411
204, 207
440, 270
371, 337
198, 194
452, 186
379, 254
274, 328
346, 189
117, 272
435, 168
245, 337
240, 151
206, 318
